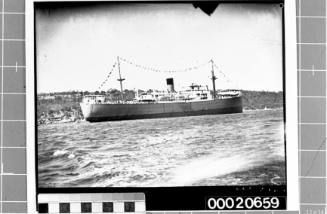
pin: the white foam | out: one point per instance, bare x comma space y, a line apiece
60, 152
209, 167
71, 156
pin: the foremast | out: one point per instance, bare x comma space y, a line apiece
213, 78
120, 79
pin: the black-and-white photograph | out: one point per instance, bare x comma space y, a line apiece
159, 95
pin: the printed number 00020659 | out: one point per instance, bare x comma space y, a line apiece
243, 203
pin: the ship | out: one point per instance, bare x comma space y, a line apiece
195, 100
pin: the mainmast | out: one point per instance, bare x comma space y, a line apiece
120, 79
213, 77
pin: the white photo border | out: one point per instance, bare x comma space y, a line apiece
291, 93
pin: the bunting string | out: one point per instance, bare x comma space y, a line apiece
107, 77
226, 77
149, 68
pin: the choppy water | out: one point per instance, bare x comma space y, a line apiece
233, 149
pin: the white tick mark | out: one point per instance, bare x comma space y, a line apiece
313, 70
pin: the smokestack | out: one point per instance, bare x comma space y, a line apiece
170, 85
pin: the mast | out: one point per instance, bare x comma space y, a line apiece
120, 79
213, 77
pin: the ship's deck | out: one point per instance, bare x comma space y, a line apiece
170, 101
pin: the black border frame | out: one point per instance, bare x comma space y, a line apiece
178, 198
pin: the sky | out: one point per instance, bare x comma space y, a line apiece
77, 47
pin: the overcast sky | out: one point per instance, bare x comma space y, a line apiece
76, 48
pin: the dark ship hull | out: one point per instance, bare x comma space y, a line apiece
130, 111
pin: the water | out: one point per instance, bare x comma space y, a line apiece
233, 149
